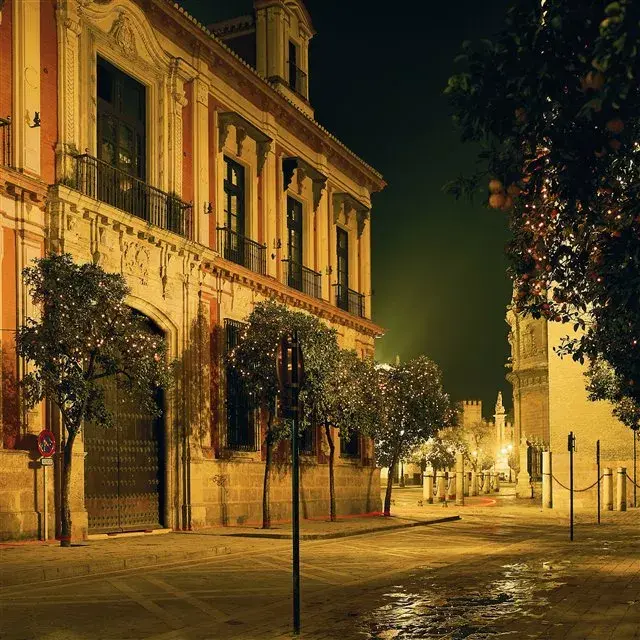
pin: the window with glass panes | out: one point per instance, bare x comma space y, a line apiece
342, 245
234, 216
121, 120
294, 242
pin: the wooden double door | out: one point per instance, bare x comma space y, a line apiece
124, 467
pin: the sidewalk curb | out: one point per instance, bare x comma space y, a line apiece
40, 574
343, 534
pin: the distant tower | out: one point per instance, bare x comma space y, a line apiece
500, 418
397, 360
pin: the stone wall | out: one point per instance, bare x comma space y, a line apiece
232, 491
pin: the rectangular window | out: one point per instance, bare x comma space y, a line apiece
234, 211
294, 242
241, 434
121, 120
308, 440
342, 245
350, 447
293, 65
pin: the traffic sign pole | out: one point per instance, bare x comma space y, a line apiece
295, 486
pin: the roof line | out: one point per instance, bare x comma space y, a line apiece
219, 42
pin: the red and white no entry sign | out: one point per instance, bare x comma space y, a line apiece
46, 443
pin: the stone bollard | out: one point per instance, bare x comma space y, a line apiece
427, 488
621, 489
607, 493
496, 486
451, 485
459, 480
474, 483
487, 482
547, 480
466, 483
441, 486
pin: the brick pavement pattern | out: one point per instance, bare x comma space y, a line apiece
504, 570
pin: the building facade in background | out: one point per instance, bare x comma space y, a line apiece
134, 137
550, 401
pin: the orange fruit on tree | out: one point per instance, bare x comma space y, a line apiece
497, 200
508, 203
615, 144
615, 125
495, 186
593, 80
514, 190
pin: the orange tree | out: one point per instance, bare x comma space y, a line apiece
552, 101
86, 333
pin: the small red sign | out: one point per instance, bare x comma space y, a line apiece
46, 443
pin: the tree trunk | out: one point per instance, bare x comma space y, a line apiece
332, 485
387, 496
266, 510
65, 509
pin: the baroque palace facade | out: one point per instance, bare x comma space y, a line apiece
187, 159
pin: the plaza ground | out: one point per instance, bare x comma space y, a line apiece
505, 569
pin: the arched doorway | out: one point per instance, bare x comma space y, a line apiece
124, 465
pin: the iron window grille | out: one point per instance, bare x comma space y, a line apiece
304, 279
350, 300
350, 446
308, 441
5, 142
241, 430
101, 181
237, 248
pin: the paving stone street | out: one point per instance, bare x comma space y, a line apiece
503, 570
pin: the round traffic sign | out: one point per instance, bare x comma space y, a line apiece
46, 443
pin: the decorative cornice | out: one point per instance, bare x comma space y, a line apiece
346, 200
262, 93
20, 185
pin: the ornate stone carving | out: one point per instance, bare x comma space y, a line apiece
241, 134
263, 149
136, 260
123, 35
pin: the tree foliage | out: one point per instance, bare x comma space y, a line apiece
85, 334
415, 408
553, 102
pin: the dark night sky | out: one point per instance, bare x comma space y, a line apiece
376, 81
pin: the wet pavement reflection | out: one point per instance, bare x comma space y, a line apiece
480, 607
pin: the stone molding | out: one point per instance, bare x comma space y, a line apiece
244, 128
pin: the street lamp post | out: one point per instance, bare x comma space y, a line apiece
290, 369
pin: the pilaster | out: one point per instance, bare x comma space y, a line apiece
26, 88
201, 159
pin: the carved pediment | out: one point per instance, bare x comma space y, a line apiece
350, 204
304, 170
243, 129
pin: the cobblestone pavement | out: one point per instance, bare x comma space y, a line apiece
503, 572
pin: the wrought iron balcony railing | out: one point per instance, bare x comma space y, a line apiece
5, 142
304, 279
239, 249
350, 300
99, 180
297, 80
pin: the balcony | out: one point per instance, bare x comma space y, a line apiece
304, 279
297, 80
5, 142
105, 183
350, 300
239, 249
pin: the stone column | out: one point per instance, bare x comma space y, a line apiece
523, 482
496, 484
607, 496
547, 486
440, 486
451, 487
427, 487
201, 160
459, 479
474, 483
486, 487
465, 483
621, 489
